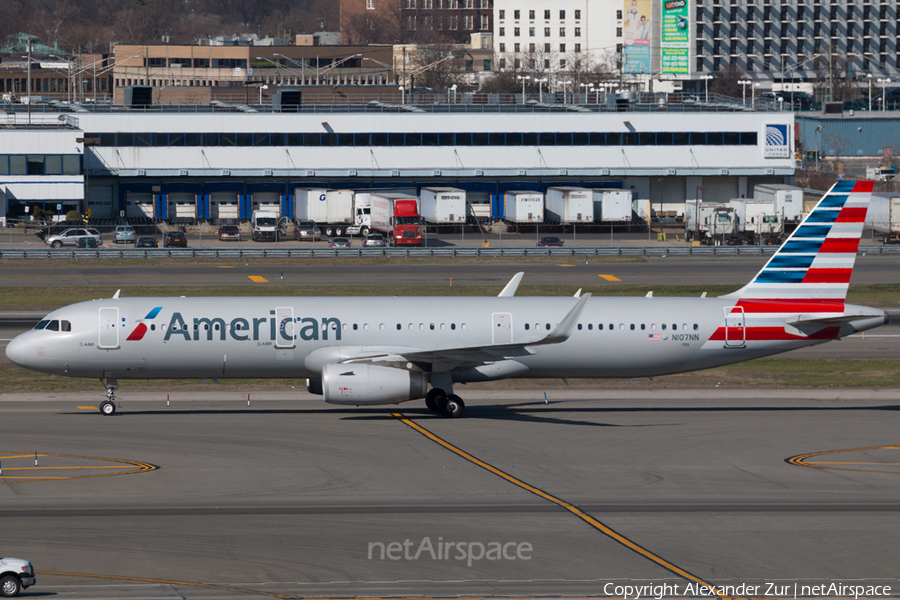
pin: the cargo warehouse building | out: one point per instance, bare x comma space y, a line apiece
223, 165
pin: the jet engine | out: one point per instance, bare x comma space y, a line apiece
358, 383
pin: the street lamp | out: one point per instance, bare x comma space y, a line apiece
818, 131
402, 94
523, 78
706, 79
869, 77
744, 83
261, 88
884, 93
588, 88
453, 90
565, 85
753, 93
540, 89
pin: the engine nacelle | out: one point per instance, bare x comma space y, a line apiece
369, 384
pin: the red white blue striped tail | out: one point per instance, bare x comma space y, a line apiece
816, 261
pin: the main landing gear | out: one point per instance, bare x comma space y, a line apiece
447, 405
108, 406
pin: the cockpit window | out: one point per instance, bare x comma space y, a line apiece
65, 326
41, 324
53, 325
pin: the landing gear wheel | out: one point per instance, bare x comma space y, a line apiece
453, 407
108, 408
10, 586
433, 398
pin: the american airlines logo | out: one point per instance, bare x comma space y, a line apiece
258, 329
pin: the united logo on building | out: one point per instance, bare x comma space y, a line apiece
778, 144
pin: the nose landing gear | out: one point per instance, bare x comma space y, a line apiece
108, 406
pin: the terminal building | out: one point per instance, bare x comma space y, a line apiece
222, 165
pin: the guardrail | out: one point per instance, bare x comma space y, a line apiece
448, 252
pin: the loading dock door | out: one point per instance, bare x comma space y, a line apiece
100, 201
182, 206
138, 205
223, 205
270, 201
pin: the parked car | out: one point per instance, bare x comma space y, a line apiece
15, 575
69, 237
87, 242
175, 239
340, 242
145, 241
124, 234
550, 242
43, 232
374, 240
229, 232
891, 96
306, 230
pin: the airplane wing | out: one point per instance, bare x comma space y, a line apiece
486, 353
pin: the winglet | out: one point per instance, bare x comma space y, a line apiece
512, 286
578, 293
567, 325
116, 295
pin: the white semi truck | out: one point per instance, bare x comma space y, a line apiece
712, 223
758, 221
332, 210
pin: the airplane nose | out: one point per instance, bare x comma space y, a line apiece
17, 351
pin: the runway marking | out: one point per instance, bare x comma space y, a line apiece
88, 407
168, 582
562, 265
609, 277
134, 466
801, 460
225, 267
258, 279
604, 529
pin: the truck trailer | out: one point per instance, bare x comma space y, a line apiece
788, 199
332, 210
612, 206
443, 205
884, 216
523, 207
570, 205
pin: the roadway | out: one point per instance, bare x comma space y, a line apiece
564, 271
291, 498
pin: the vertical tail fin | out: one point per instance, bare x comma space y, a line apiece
816, 261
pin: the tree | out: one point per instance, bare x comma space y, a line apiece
73, 215
725, 83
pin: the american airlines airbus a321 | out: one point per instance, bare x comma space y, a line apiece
366, 351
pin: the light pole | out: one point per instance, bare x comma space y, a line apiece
587, 88
523, 78
869, 77
402, 94
302, 67
566, 85
540, 81
453, 90
261, 88
744, 83
753, 93
884, 93
706, 79
818, 131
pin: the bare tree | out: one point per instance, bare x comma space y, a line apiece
725, 82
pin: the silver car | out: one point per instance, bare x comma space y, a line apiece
306, 230
374, 240
125, 234
69, 237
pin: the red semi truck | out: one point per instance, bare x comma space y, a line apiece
396, 216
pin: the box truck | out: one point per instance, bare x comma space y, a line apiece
522, 206
567, 204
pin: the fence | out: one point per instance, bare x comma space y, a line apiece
272, 253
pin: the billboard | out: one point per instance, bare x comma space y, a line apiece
777, 141
636, 36
675, 37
